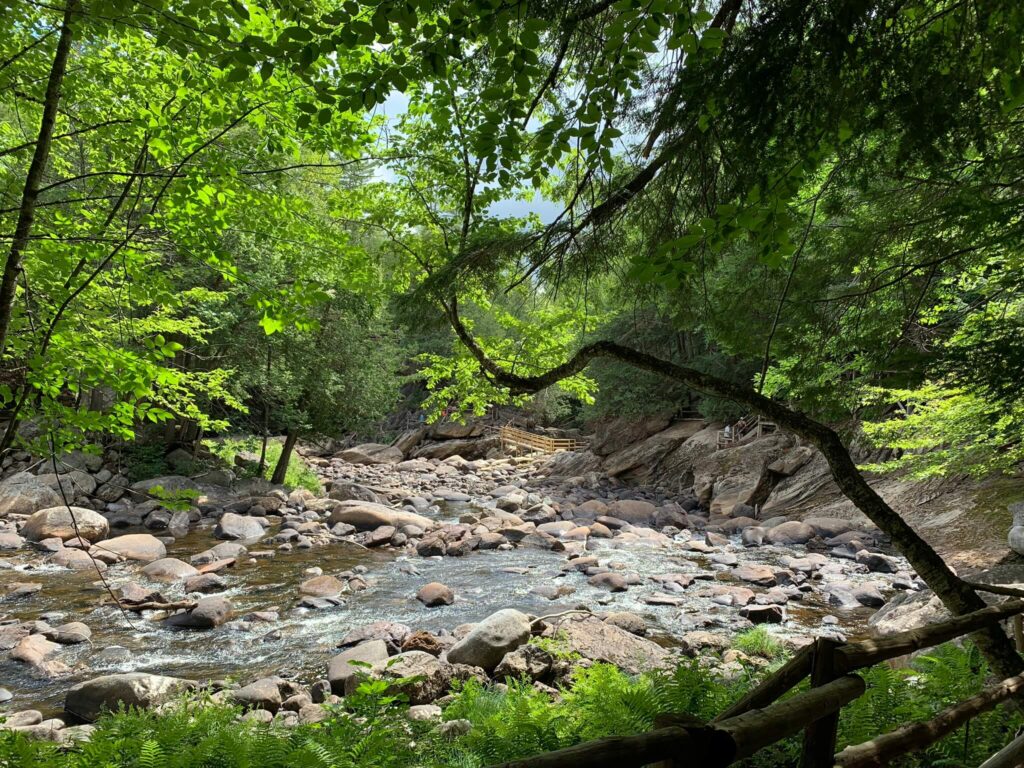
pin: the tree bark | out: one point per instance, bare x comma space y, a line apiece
286, 456
36, 169
957, 595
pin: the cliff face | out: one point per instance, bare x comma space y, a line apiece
965, 519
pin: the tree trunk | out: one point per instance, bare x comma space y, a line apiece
958, 596
286, 456
36, 169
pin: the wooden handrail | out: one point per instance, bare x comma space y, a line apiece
544, 443
778, 683
866, 653
911, 738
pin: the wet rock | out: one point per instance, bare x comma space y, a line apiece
142, 547
489, 641
168, 569
613, 582
262, 694
205, 582
86, 701
226, 550
9, 541
344, 675
322, 586
435, 594
366, 516
210, 612
33, 650
61, 522
764, 614
72, 633
134, 594
76, 560
391, 632
236, 527
380, 536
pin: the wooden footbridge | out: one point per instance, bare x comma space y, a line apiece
519, 438
763, 718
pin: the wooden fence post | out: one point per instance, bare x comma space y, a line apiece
820, 736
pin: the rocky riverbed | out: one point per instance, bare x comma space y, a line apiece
251, 582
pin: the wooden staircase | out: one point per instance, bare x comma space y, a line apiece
749, 427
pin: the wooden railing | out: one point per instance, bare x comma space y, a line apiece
511, 436
747, 427
762, 717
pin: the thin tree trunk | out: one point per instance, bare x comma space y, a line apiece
36, 169
286, 456
957, 595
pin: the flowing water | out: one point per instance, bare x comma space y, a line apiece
300, 643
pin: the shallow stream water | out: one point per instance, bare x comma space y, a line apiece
300, 643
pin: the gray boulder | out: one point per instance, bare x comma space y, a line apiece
343, 675
488, 642
86, 701
367, 516
236, 527
23, 494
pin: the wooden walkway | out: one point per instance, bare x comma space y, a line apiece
520, 438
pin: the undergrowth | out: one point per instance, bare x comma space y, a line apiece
299, 474
759, 641
370, 730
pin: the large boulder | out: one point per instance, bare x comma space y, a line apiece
367, 516
792, 532
238, 527
210, 612
635, 511
23, 494
142, 547
343, 491
451, 430
617, 434
594, 639
470, 448
344, 675
371, 453
157, 486
66, 523
636, 462
489, 641
86, 701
